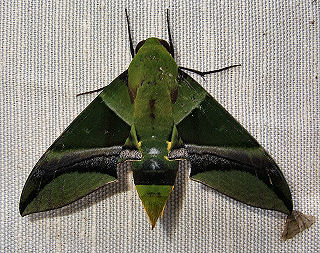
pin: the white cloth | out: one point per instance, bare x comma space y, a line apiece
52, 50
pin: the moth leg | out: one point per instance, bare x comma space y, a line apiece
89, 92
209, 72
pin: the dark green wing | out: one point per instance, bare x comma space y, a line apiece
223, 154
85, 156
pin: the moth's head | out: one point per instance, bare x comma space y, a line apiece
154, 42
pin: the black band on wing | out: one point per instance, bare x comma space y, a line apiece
269, 175
44, 173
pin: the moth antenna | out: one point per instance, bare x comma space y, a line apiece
169, 33
129, 32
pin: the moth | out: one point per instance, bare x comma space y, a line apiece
153, 115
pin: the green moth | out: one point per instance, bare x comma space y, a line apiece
153, 115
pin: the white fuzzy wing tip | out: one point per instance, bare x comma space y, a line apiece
296, 223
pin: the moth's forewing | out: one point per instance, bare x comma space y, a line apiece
223, 155
85, 156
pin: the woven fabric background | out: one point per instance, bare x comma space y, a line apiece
52, 50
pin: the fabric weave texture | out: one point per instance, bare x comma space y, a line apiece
52, 50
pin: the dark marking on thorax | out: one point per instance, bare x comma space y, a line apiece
174, 95
132, 95
151, 104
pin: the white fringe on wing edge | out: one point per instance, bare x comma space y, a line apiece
296, 223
